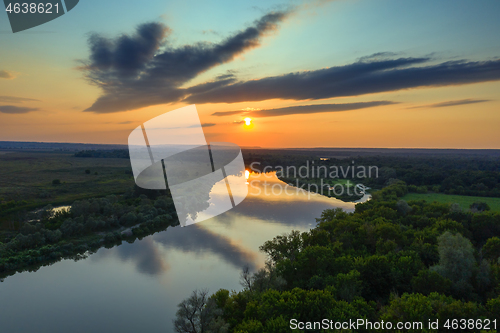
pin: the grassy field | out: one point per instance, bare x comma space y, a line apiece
463, 200
335, 181
26, 179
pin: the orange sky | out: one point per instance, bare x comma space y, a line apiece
43, 66
399, 125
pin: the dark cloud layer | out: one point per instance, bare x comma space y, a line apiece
355, 79
307, 109
142, 69
11, 109
13, 99
452, 103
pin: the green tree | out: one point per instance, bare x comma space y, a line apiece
349, 286
403, 207
456, 257
491, 250
428, 281
378, 279
283, 247
199, 314
479, 207
420, 308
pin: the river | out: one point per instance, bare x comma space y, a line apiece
136, 287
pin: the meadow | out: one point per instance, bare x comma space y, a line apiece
463, 200
32, 179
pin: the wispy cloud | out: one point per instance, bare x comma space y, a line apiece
210, 31
451, 103
133, 72
378, 56
307, 109
13, 99
227, 113
7, 75
202, 125
12, 109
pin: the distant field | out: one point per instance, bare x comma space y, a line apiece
344, 182
335, 181
463, 200
27, 176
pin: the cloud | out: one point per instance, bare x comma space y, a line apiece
7, 75
196, 126
145, 255
378, 56
143, 69
227, 113
308, 109
200, 241
451, 103
210, 31
11, 109
355, 79
13, 99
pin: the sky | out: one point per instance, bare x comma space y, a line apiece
316, 73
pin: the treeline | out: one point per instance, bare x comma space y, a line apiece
390, 260
450, 174
46, 236
339, 191
117, 153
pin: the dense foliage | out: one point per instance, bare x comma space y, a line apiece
116, 153
452, 174
389, 260
46, 236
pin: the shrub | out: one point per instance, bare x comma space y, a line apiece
479, 207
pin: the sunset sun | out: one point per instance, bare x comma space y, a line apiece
248, 121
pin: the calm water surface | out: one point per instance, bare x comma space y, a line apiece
136, 287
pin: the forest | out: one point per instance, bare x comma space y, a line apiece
449, 174
46, 236
390, 260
